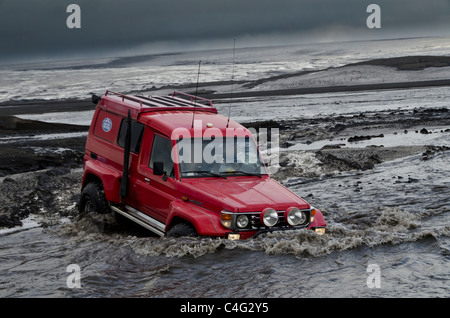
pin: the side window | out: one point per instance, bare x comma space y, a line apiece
162, 152
137, 130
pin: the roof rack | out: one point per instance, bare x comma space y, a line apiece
186, 100
121, 103
194, 99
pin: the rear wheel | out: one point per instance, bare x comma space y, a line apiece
93, 199
182, 229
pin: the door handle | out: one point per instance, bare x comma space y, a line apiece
146, 179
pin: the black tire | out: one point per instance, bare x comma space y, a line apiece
93, 199
182, 229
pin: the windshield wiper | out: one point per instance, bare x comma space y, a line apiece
246, 173
208, 172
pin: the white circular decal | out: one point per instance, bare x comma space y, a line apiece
106, 124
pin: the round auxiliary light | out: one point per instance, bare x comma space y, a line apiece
269, 217
294, 216
242, 221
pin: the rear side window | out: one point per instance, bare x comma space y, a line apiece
137, 130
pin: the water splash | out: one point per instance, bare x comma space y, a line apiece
370, 228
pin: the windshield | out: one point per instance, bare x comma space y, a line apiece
219, 157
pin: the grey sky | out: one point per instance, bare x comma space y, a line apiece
30, 28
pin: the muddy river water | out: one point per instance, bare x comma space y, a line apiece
404, 232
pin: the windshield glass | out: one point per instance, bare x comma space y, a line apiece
219, 157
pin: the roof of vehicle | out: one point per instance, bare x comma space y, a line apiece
194, 124
167, 113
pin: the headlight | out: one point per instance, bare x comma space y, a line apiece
294, 216
242, 221
269, 217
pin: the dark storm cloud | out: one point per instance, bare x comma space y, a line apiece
29, 27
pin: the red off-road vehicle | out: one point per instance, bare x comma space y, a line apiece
175, 166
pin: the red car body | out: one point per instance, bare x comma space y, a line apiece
210, 202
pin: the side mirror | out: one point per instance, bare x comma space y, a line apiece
95, 99
158, 168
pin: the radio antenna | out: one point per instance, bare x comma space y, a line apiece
232, 82
196, 91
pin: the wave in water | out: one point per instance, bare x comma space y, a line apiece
369, 228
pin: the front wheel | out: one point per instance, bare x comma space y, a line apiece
182, 229
93, 199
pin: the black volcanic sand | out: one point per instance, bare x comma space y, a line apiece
23, 155
12, 108
346, 129
403, 63
39, 178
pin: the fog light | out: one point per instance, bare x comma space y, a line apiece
294, 216
242, 221
226, 219
320, 230
233, 236
269, 217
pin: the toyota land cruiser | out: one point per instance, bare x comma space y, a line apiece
175, 166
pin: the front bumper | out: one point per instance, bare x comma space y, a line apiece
255, 228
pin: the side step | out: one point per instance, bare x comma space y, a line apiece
142, 219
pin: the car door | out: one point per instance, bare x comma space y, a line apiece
152, 194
